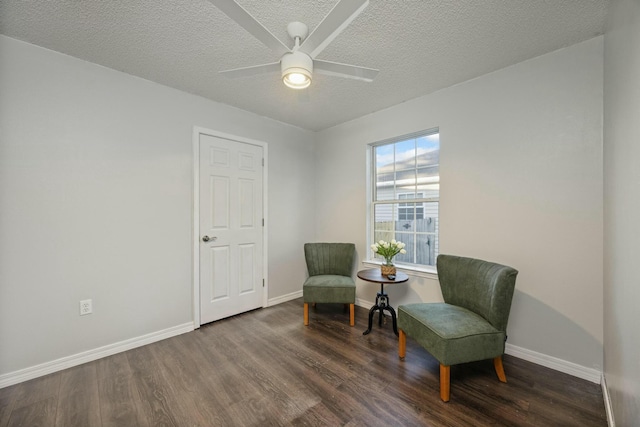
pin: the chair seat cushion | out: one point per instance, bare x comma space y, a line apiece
329, 288
450, 333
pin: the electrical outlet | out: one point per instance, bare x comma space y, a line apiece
86, 307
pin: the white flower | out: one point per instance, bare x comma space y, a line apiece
389, 249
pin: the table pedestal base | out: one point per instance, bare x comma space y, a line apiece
382, 304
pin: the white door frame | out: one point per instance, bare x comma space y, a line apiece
197, 131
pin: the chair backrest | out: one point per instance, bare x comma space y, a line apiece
483, 287
329, 258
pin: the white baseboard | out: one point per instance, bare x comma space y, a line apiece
298, 294
284, 298
611, 422
90, 355
560, 365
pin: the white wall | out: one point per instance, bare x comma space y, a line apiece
622, 210
521, 184
96, 202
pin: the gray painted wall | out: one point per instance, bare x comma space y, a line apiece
622, 210
96, 202
521, 155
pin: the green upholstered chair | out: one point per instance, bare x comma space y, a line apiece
471, 323
330, 266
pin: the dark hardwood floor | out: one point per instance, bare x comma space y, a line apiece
264, 368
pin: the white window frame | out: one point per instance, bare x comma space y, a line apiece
413, 269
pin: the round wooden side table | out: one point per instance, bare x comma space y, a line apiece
382, 299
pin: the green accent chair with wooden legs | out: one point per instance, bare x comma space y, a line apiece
330, 266
471, 323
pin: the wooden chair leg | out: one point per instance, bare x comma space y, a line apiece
352, 314
445, 385
402, 344
497, 363
306, 314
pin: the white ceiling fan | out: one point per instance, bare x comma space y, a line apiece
298, 63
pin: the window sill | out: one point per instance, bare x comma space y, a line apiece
411, 270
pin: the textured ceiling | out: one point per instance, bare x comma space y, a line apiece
418, 46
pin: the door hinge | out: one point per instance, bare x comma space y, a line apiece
263, 283
263, 222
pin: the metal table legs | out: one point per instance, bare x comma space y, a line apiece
382, 304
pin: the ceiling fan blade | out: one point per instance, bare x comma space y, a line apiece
252, 71
236, 12
344, 70
338, 18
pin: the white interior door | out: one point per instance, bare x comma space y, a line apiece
231, 227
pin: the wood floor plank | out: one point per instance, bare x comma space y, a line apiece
38, 389
320, 359
227, 378
289, 401
317, 416
155, 393
120, 403
7, 402
78, 397
40, 413
194, 392
256, 411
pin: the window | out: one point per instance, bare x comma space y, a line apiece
406, 211
405, 195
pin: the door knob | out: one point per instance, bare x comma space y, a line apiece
207, 238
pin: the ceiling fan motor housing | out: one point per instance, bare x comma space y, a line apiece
297, 30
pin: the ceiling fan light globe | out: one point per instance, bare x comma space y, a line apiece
297, 78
